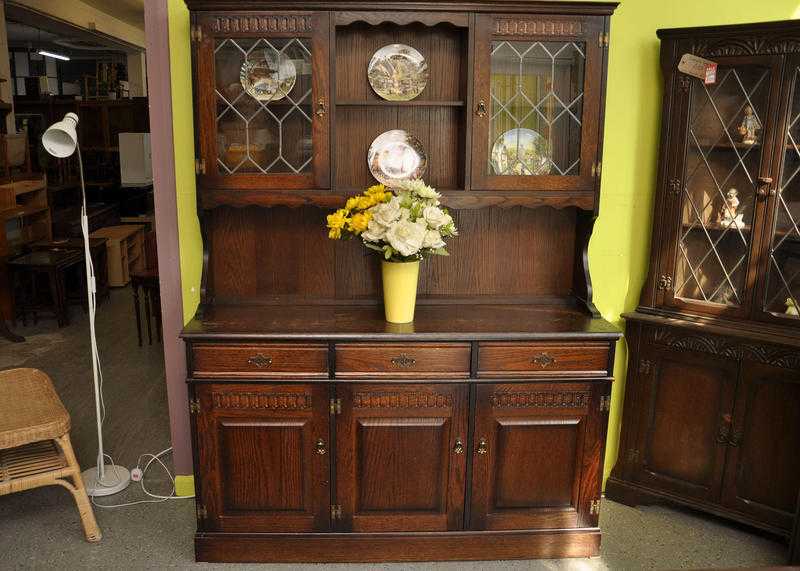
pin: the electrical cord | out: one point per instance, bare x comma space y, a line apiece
157, 498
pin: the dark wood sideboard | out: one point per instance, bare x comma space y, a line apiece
712, 400
321, 432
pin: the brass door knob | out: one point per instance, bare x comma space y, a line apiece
459, 447
483, 448
321, 449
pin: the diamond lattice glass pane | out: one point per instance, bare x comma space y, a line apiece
266, 128
783, 277
536, 94
720, 183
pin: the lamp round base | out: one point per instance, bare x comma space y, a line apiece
115, 480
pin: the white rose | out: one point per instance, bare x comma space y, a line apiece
375, 231
435, 217
433, 240
406, 237
421, 189
387, 213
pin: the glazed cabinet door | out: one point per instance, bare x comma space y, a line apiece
685, 420
719, 186
401, 457
261, 83
762, 477
537, 102
263, 452
537, 455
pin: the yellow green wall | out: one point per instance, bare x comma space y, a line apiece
620, 246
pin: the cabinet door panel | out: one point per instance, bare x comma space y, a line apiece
537, 98
275, 133
686, 418
763, 468
259, 451
536, 455
399, 465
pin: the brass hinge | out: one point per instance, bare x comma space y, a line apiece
194, 406
200, 166
605, 403
633, 455
336, 511
336, 406
596, 168
665, 283
644, 366
202, 513
602, 40
196, 33
594, 507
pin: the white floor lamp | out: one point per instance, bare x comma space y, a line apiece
61, 140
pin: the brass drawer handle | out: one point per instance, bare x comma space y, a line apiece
320, 448
459, 447
543, 360
260, 361
403, 361
481, 110
483, 448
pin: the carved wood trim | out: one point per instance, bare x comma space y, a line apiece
261, 401
268, 23
770, 45
401, 400
727, 348
541, 399
537, 27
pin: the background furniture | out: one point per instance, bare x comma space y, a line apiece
39, 282
322, 433
145, 287
35, 449
97, 247
712, 402
125, 248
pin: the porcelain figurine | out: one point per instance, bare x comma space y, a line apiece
729, 217
749, 126
791, 307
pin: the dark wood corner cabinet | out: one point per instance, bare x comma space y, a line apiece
322, 433
712, 402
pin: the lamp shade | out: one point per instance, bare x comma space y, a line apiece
61, 138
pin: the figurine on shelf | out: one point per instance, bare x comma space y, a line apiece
749, 126
728, 217
791, 307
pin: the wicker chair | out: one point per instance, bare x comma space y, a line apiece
35, 449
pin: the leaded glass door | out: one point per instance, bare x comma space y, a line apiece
535, 120
263, 103
779, 296
720, 186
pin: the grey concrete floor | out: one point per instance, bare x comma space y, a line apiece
39, 529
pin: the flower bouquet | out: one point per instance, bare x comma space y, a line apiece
405, 225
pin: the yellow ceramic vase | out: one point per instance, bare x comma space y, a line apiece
399, 290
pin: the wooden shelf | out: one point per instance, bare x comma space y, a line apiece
457, 199
384, 103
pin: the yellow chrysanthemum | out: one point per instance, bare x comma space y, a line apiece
358, 223
351, 203
336, 222
375, 190
335, 233
365, 202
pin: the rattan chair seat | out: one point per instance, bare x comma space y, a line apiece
30, 410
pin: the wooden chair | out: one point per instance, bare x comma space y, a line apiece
146, 280
35, 449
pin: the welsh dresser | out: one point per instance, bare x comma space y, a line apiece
321, 433
712, 399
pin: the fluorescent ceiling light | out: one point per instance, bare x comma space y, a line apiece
51, 54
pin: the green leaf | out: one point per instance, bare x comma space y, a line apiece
441, 252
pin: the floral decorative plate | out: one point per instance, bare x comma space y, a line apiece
395, 156
521, 152
269, 78
397, 72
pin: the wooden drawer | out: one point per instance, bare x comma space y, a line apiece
503, 359
260, 360
400, 360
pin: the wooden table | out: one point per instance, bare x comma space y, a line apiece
53, 265
125, 248
97, 247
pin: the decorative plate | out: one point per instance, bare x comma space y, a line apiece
521, 152
397, 72
269, 78
395, 156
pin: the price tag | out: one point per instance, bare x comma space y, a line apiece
698, 67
